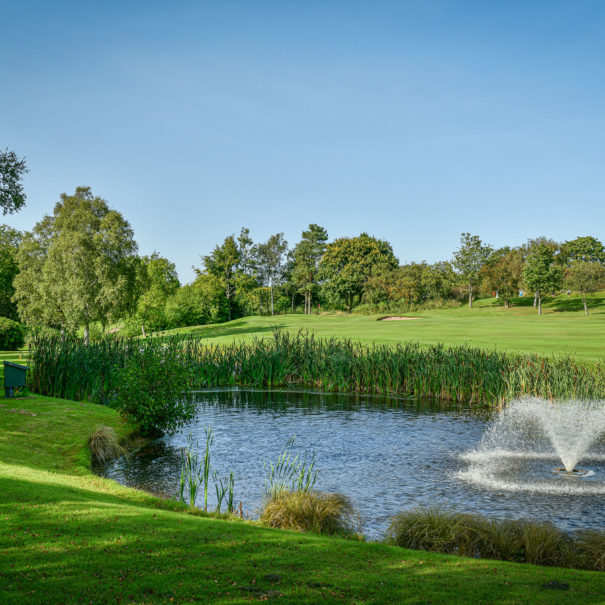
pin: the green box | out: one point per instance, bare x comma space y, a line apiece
14, 377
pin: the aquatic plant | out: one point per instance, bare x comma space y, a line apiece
68, 368
290, 472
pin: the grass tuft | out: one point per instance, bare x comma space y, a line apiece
104, 444
316, 512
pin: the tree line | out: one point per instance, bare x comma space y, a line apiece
79, 269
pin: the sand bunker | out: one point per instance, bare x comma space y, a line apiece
396, 318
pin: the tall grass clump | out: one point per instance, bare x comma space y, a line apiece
290, 472
311, 511
539, 543
104, 444
66, 367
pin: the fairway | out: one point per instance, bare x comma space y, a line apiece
562, 329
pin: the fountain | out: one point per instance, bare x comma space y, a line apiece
519, 448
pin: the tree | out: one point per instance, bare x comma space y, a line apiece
469, 259
9, 244
12, 169
585, 249
348, 264
438, 280
159, 280
77, 266
540, 273
224, 264
503, 274
305, 261
199, 303
270, 262
585, 277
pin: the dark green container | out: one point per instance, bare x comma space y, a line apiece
14, 378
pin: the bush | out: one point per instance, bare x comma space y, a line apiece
34, 333
151, 390
104, 445
12, 334
315, 512
589, 547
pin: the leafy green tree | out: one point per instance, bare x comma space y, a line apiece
306, 257
77, 266
533, 244
224, 263
584, 249
12, 169
9, 244
199, 303
503, 274
159, 280
438, 280
348, 264
469, 259
585, 277
271, 262
541, 274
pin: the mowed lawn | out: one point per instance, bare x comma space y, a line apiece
68, 536
562, 329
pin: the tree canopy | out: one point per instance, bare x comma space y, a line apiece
77, 266
12, 169
469, 259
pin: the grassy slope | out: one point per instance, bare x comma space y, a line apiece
562, 329
68, 536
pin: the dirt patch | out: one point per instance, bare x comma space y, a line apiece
396, 318
23, 412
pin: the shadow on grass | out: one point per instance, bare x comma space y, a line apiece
233, 328
66, 544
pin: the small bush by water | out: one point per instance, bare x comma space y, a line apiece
311, 511
539, 543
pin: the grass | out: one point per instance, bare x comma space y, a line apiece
69, 536
563, 329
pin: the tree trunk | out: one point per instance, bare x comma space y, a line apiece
143, 330
293, 293
272, 299
86, 334
506, 304
470, 296
310, 298
584, 301
535, 299
539, 304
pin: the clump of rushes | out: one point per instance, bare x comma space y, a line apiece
316, 512
290, 472
104, 444
65, 367
539, 543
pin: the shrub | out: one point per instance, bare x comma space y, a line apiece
12, 334
151, 390
104, 445
545, 544
316, 512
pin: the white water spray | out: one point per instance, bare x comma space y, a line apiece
531, 435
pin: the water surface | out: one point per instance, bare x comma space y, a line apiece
386, 454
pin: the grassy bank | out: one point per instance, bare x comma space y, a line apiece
70, 537
563, 329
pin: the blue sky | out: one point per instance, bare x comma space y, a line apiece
413, 121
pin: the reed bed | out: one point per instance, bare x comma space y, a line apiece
70, 369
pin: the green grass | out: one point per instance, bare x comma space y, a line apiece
68, 536
563, 329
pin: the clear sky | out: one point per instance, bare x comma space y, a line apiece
411, 120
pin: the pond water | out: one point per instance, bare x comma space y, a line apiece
387, 454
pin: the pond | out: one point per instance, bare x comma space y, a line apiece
387, 454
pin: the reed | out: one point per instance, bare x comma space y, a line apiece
290, 472
67, 368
